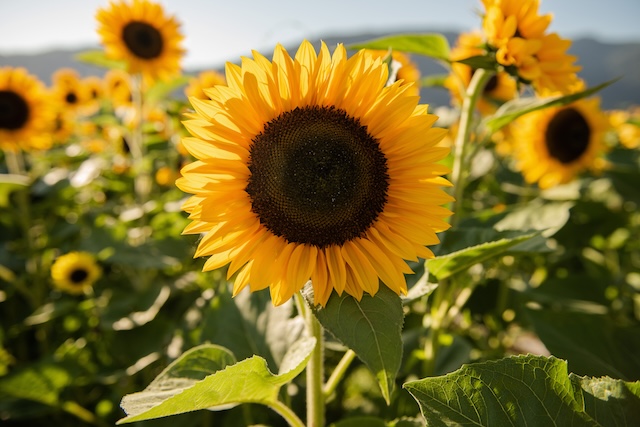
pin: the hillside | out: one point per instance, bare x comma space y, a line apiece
600, 61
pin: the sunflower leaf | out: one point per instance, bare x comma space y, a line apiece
455, 262
433, 45
162, 89
513, 109
525, 390
371, 327
434, 80
479, 61
99, 58
203, 378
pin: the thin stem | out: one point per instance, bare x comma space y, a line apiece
286, 413
338, 373
142, 179
460, 163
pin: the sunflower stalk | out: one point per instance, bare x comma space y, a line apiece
338, 373
460, 160
142, 179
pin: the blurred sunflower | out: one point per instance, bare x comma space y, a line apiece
407, 70
25, 114
555, 144
140, 34
68, 91
499, 89
75, 272
517, 33
626, 124
95, 90
204, 80
310, 168
118, 88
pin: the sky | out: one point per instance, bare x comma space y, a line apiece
217, 31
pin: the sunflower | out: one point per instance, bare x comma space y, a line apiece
25, 114
310, 168
204, 80
95, 90
499, 89
75, 272
118, 88
68, 91
408, 71
140, 34
555, 144
517, 34
626, 124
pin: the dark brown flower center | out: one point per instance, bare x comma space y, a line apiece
317, 177
143, 40
567, 135
71, 98
14, 110
78, 275
491, 84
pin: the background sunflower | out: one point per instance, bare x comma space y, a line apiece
75, 272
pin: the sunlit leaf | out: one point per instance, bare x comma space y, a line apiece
248, 381
432, 45
42, 382
525, 390
100, 59
433, 80
10, 183
371, 327
479, 61
162, 90
513, 109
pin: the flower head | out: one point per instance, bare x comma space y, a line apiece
204, 80
407, 70
555, 144
310, 168
75, 272
25, 114
140, 34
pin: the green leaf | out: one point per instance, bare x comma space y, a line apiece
162, 89
432, 45
592, 343
360, 421
447, 265
100, 59
434, 81
250, 324
41, 382
10, 183
480, 61
537, 215
248, 381
371, 327
524, 390
513, 109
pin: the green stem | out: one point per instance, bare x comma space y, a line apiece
315, 367
286, 413
142, 179
460, 162
338, 373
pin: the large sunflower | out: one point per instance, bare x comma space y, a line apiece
407, 70
555, 144
143, 36
310, 168
25, 114
75, 272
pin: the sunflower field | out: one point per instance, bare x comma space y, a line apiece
301, 240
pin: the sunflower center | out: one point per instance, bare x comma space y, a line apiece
14, 111
77, 276
71, 98
491, 84
317, 177
142, 39
567, 135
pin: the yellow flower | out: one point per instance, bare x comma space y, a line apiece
75, 272
499, 89
204, 80
310, 168
140, 34
166, 176
627, 126
95, 90
68, 91
408, 71
118, 88
517, 33
25, 113
555, 144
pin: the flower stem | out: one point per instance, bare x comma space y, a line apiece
315, 374
286, 413
142, 179
338, 373
460, 162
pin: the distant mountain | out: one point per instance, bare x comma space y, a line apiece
600, 62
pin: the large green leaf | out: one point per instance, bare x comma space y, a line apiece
162, 90
594, 344
432, 45
10, 183
40, 382
100, 59
371, 327
525, 390
250, 324
447, 265
513, 109
248, 381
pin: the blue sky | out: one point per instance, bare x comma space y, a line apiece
217, 30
